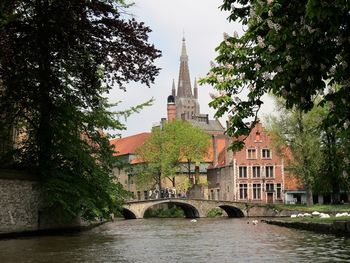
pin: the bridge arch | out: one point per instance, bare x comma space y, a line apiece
128, 214
232, 211
192, 208
189, 210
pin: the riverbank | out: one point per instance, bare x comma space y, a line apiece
51, 232
336, 226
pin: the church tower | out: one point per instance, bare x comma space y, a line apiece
187, 105
183, 102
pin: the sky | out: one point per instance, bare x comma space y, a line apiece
203, 24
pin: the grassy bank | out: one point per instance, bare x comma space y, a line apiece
316, 219
319, 208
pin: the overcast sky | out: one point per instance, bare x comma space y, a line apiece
203, 25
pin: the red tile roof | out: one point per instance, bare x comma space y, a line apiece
129, 144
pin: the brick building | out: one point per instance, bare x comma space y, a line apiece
254, 174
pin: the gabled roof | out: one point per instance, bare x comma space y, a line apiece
128, 145
211, 126
221, 152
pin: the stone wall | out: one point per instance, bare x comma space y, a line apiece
19, 202
21, 206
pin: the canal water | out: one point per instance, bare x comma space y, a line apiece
180, 240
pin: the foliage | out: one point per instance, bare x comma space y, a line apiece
58, 59
170, 211
167, 148
296, 136
288, 48
215, 212
315, 152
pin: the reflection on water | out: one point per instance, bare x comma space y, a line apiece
179, 240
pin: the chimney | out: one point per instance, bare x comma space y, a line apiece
171, 108
215, 151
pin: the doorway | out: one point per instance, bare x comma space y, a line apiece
269, 198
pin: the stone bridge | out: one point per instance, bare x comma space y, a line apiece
194, 208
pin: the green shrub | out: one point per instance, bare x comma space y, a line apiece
215, 212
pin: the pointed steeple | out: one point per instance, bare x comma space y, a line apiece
195, 89
184, 84
173, 89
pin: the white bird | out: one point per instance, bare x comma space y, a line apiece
255, 222
322, 215
193, 220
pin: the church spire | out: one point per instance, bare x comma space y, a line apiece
173, 89
184, 83
195, 89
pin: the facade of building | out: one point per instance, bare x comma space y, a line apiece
254, 174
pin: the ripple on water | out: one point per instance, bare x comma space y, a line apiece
179, 240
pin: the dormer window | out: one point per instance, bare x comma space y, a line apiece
266, 154
251, 153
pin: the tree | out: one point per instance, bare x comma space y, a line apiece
317, 151
296, 136
58, 60
288, 48
192, 144
167, 149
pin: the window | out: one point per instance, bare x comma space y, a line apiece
266, 153
257, 136
256, 191
278, 191
243, 191
269, 187
251, 153
268, 171
243, 172
256, 171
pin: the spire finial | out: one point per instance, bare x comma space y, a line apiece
183, 50
183, 35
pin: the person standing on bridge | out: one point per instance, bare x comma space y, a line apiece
156, 193
150, 194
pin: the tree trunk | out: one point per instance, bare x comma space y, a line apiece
309, 198
44, 135
189, 171
160, 181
